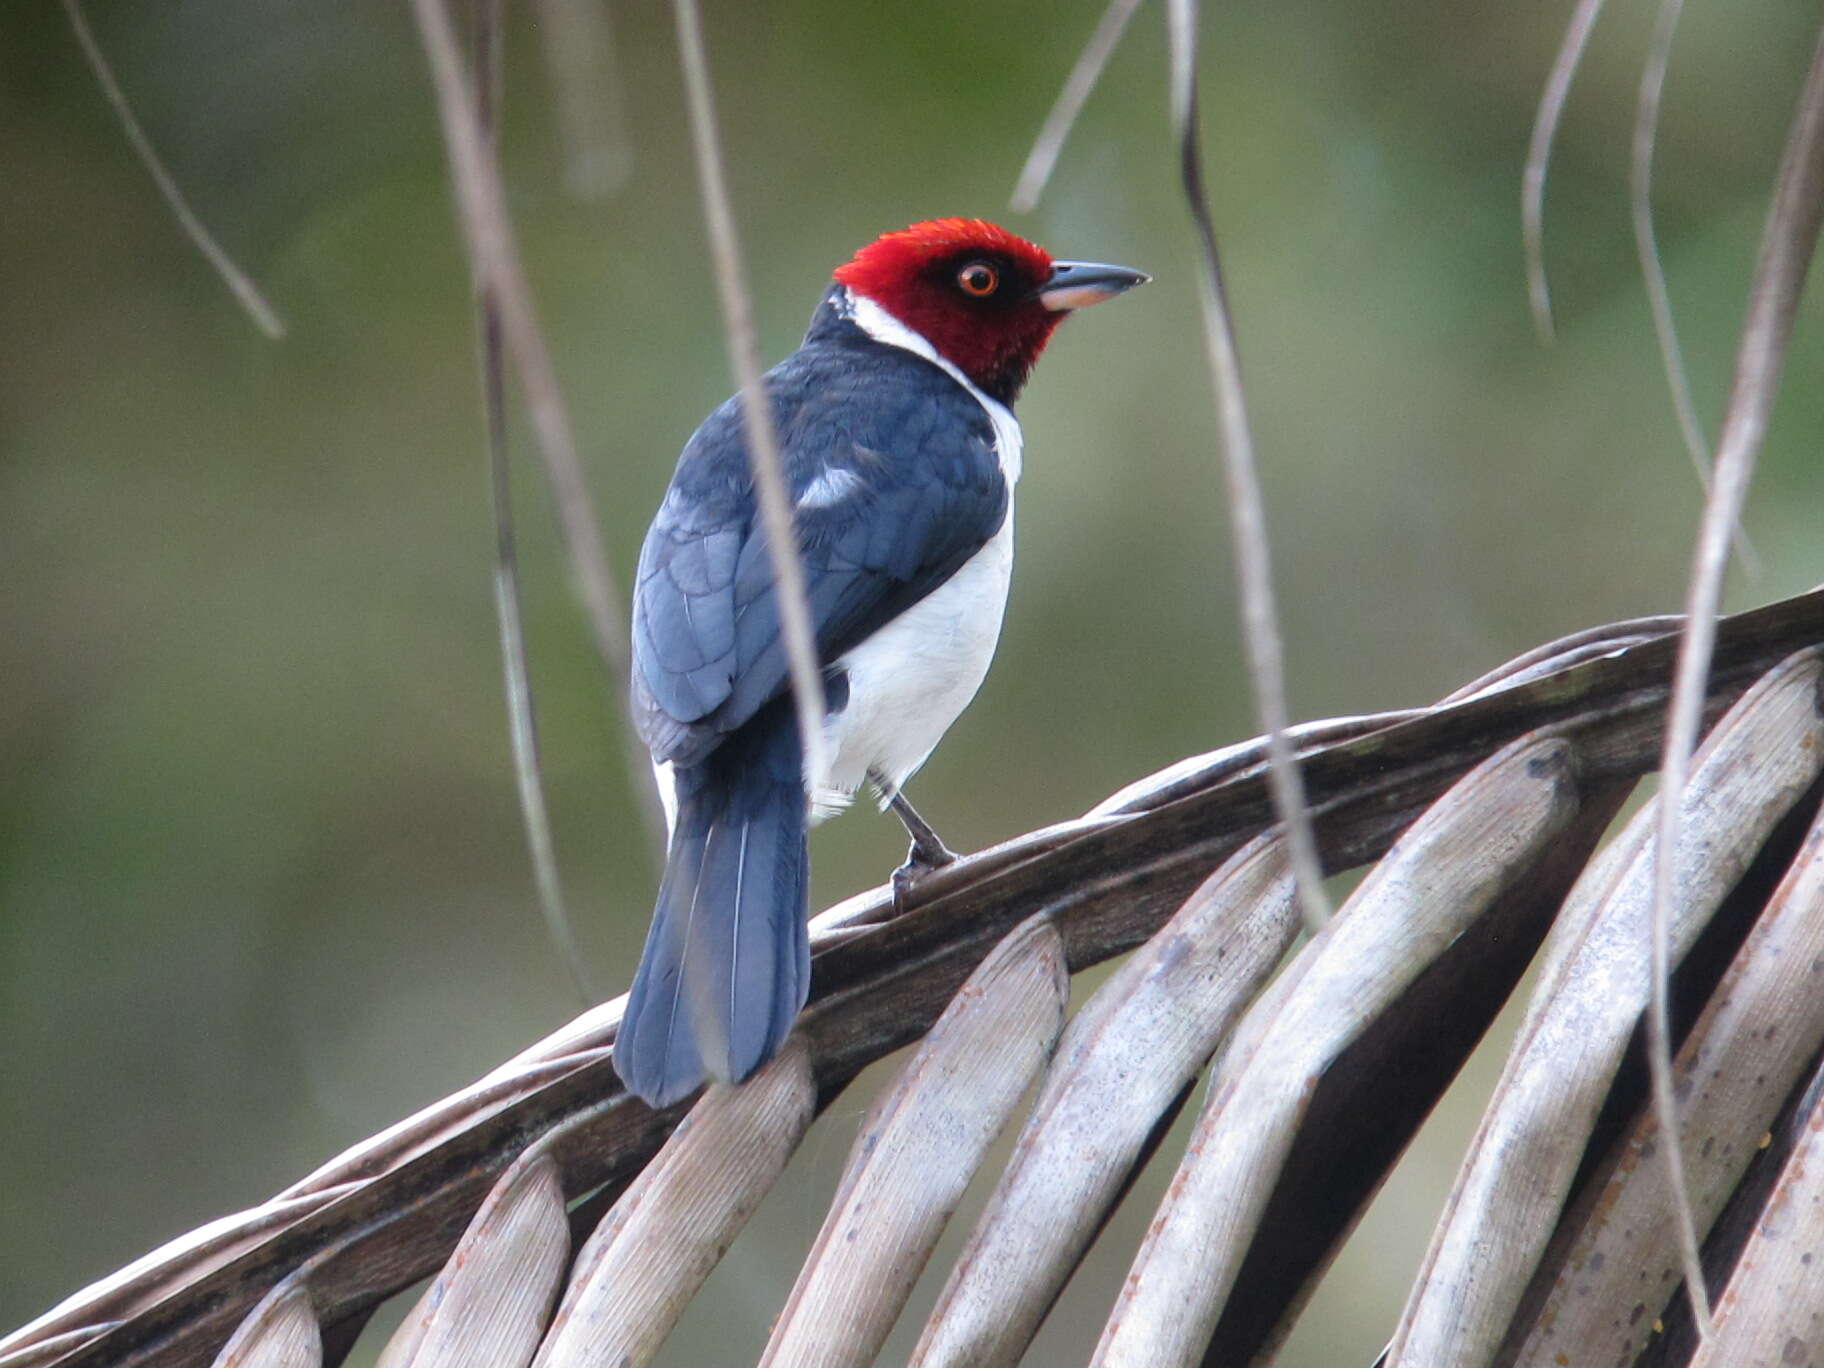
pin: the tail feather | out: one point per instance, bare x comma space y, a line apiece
727, 962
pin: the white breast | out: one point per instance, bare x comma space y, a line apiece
913, 678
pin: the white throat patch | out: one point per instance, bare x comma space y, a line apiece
882, 326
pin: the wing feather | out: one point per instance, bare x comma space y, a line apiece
922, 490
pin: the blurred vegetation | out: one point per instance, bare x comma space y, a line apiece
262, 882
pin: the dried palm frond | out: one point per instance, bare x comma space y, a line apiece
1480, 816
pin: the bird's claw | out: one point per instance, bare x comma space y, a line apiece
921, 859
928, 850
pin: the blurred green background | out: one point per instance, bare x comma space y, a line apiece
262, 882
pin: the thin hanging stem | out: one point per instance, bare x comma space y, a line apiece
1652, 270
1539, 156
744, 358
494, 263
1043, 158
522, 717
240, 285
1260, 620
1640, 184
1785, 256
588, 96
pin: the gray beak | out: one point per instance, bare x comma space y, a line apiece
1078, 284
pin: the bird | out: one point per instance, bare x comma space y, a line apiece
900, 453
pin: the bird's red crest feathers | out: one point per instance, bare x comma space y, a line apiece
892, 259
993, 339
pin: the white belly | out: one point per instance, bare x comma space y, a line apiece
913, 678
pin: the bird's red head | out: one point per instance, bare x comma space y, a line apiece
986, 299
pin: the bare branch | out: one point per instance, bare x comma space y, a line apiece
264, 316
1260, 622
393, 1205
1786, 249
1539, 156
744, 358
1043, 158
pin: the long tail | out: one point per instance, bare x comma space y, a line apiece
727, 963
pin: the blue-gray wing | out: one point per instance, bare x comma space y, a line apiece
895, 485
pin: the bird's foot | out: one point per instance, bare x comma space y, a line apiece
928, 850
921, 859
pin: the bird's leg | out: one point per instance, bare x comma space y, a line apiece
928, 850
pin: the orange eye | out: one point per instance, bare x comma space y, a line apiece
978, 278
